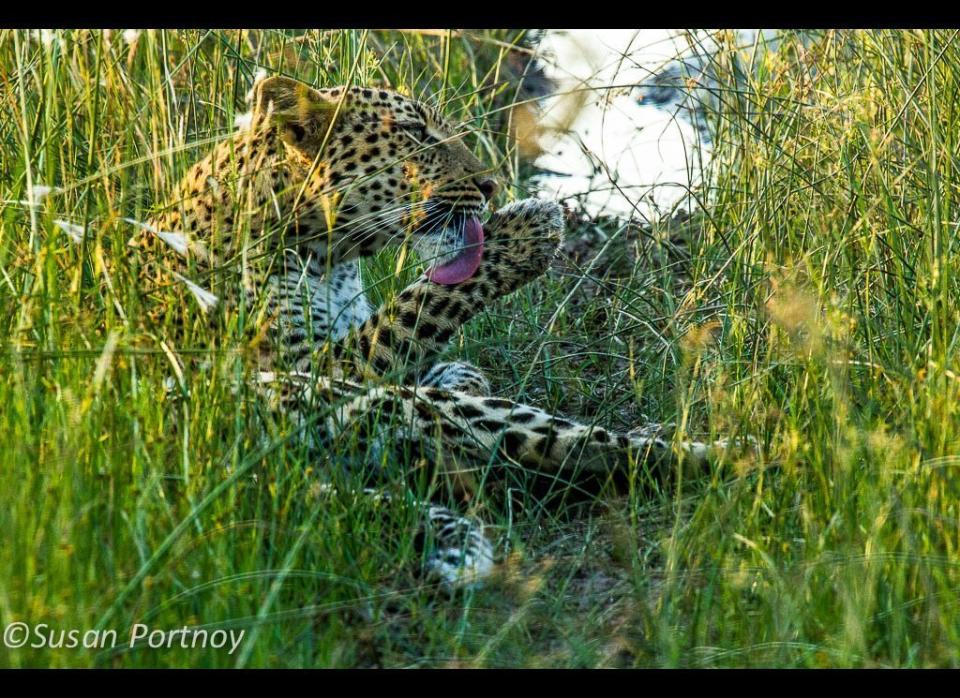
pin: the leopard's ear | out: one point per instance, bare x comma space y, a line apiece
301, 114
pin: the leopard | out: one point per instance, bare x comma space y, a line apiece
274, 223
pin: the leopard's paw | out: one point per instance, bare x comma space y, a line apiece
461, 376
525, 236
462, 556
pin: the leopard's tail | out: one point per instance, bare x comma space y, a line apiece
483, 428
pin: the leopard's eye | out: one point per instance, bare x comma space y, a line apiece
414, 128
419, 132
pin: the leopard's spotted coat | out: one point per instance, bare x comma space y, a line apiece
275, 220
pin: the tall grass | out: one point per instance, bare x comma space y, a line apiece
817, 312
834, 209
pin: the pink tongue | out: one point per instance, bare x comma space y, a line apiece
466, 263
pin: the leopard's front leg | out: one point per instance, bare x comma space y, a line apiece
409, 331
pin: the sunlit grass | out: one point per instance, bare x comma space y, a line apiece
818, 313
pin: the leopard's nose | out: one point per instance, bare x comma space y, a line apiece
487, 186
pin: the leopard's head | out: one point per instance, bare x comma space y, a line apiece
367, 167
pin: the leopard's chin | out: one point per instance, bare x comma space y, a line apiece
440, 237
